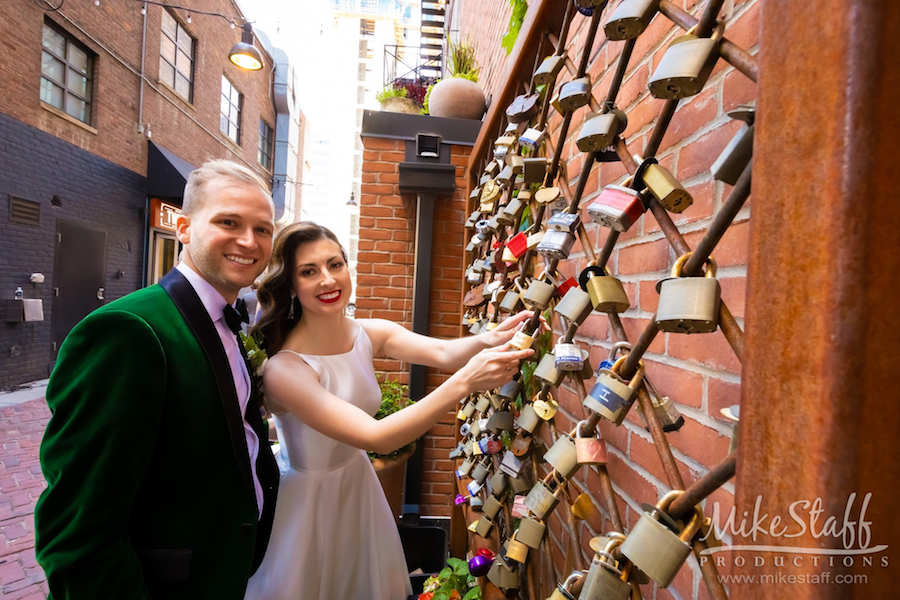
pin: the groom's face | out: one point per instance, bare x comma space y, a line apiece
229, 238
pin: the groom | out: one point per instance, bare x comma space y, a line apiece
160, 480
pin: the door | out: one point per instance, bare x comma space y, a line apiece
164, 249
79, 277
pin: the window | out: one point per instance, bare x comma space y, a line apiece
266, 137
366, 27
176, 57
67, 70
230, 119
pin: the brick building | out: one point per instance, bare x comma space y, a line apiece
104, 110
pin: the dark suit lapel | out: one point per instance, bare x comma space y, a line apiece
195, 315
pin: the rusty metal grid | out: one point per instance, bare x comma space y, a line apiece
696, 491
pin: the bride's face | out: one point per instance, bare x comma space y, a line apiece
321, 278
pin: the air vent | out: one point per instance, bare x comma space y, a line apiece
24, 211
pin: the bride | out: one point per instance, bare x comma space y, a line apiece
333, 535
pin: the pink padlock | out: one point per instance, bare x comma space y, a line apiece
617, 207
589, 450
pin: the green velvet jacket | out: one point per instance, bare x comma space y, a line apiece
149, 482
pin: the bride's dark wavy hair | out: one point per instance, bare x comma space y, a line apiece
274, 291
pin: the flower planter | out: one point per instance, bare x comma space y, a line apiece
392, 474
398, 104
457, 98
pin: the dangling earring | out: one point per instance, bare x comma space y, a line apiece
291, 309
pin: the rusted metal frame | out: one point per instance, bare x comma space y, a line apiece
742, 60
589, 42
659, 130
621, 66
558, 48
708, 19
698, 491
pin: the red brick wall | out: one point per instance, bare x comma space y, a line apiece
387, 227
191, 130
699, 372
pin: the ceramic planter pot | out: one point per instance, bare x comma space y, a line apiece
456, 97
391, 473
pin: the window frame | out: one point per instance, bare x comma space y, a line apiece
68, 67
269, 150
226, 118
163, 36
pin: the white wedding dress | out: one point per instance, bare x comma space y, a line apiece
334, 537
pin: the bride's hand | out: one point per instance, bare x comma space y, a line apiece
492, 367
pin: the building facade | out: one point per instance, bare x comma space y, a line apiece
106, 109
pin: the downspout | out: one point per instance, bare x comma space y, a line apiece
140, 129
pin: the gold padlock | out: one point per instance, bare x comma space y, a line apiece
517, 551
546, 195
583, 507
606, 292
689, 304
490, 191
545, 407
664, 186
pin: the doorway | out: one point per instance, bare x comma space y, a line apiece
79, 277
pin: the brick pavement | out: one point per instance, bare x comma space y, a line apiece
21, 483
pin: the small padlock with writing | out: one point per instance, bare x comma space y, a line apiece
600, 129
617, 207
564, 221
556, 244
511, 465
686, 65
589, 450
612, 397
630, 19
607, 293
568, 357
544, 497
657, 545
689, 304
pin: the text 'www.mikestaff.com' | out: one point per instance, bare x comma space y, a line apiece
779, 578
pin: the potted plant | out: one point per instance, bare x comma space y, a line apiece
402, 96
454, 582
458, 96
391, 468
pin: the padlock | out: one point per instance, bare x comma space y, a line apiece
521, 484
482, 445
535, 238
521, 341
568, 357
464, 468
498, 484
583, 507
475, 328
518, 244
516, 551
523, 108
574, 94
589, 450
511, 302
568, 589
556, 244
565, 285
548, 70
547, 195
511, 465
531, 533
473, 218
528, 419
607, 293
689, 304
492, 168
474, 487
664, 186
617, 207
500, 421
509, 214
654, 548
483, 403
521, 444
534, 170
612, 397
562, 456
541, 500
532, 138
484, 228
506, 175
630, 19
538, 295
564, 221
516, 162
490, 192
502, 577
478, 426
475, 502
456, 452
493, 227
666, 413
467, 410
468, 448
473, 277
481, 470
575, 306
737, 154
545, 406
684, 68
478, 240
546, 369
587, 371
509, 391
604, 580
494, 446
600, 129
491, 508
484, 525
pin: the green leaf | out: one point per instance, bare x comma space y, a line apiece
473, 594
445, 573
459, 566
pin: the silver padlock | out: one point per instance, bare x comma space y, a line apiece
497, 484
509, 214
574, 94
548, 70
532, 138
612, 397
654, 548
528, 420
538, 295
531, 533
630, 19
511, 465
473, 219
568, 357
575, 306
500, 421
502, 577
556, 244
689, 304
546, 370
605, 581
737, 154
510, 390
600, 129
564, 221
464, 468
542, 499
684, 68
483, 403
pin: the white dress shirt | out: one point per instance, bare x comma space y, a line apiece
215, 304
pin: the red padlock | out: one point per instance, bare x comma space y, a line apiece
565, 286
617, 207
518, 244
494, 446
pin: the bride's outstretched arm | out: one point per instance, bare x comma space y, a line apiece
294, 385
395, 341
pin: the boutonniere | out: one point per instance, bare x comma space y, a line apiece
256, 360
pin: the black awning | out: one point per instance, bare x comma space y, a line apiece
167, 174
